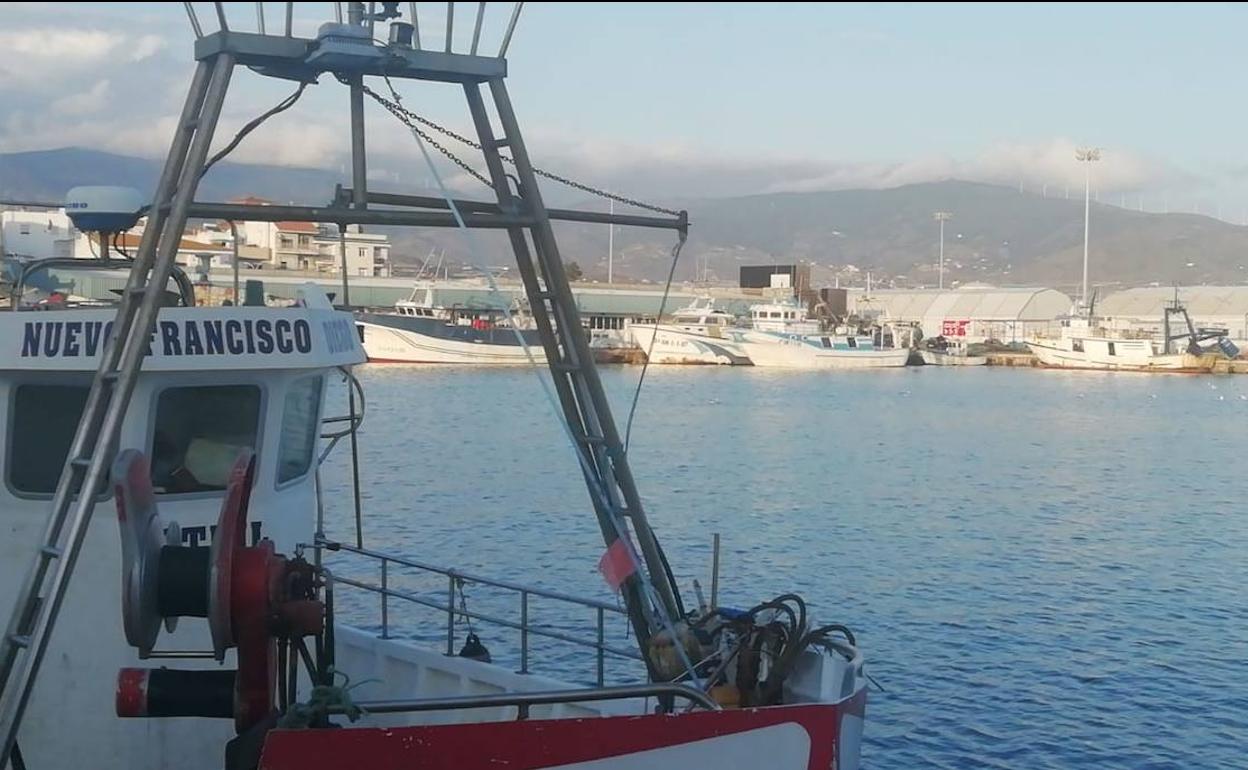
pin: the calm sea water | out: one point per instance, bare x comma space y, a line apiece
1045, 570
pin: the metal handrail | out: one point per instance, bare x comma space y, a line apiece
455, 579
470, 578
452, 610
524, 700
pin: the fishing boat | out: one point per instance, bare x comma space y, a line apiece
1084, 342
418, 331
697, 334
781, 335
193, 621
940, 351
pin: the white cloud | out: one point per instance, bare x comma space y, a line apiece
92, 100
1034, 165
146, 47
41, 56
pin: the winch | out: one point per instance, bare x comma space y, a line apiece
259, 602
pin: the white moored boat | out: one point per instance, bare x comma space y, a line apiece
418, 332
782, 336
697, 334
943, 352
1083, 345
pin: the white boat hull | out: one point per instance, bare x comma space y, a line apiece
1127, 356
940, 358
674, 345
789, 352
620, 735
383, 344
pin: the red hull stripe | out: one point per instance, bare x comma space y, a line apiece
527, 745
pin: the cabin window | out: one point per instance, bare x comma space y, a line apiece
199, 433
852, 341
299, 428
45, 418
1076, 346
1112, 352
775, 314
827, 343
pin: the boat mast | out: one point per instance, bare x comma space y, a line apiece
348, 53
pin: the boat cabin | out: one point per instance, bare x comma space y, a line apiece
216, 380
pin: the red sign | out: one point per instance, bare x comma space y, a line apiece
954, 328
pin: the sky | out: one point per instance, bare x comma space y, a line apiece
672, 100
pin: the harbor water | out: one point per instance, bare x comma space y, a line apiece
1044, 569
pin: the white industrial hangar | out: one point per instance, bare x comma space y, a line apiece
1224, 307
972, 314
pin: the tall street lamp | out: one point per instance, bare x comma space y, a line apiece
1086, 156
942, 217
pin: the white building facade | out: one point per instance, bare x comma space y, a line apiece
296, 246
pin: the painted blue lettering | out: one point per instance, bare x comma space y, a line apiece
30, 339
194, 346
72, 330
52, 339
303, 336
264, 336
338, 335
213, 337
169, 338
281, 331
232, 342
193, 535
93, 334
251, 340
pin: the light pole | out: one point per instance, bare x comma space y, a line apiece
611, 248
942, 217
1087, 156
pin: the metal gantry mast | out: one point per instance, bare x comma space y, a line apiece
350, 55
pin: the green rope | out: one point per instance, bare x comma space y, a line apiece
323, 698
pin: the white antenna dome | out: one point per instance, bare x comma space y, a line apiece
102, 208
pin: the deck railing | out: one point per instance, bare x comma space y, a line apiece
457, 580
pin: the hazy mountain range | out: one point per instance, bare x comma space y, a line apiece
996, 234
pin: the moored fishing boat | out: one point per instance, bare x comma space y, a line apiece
781, 335
697, 334
417, 331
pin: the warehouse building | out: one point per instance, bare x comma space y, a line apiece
1224, 307
971, 314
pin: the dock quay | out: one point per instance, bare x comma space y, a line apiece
1012, 359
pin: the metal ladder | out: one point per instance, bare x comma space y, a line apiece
580, 391
86, 466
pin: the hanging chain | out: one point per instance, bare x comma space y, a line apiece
403, 114
410, 119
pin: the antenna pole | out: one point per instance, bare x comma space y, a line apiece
359, 160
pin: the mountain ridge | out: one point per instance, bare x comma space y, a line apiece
996, 234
